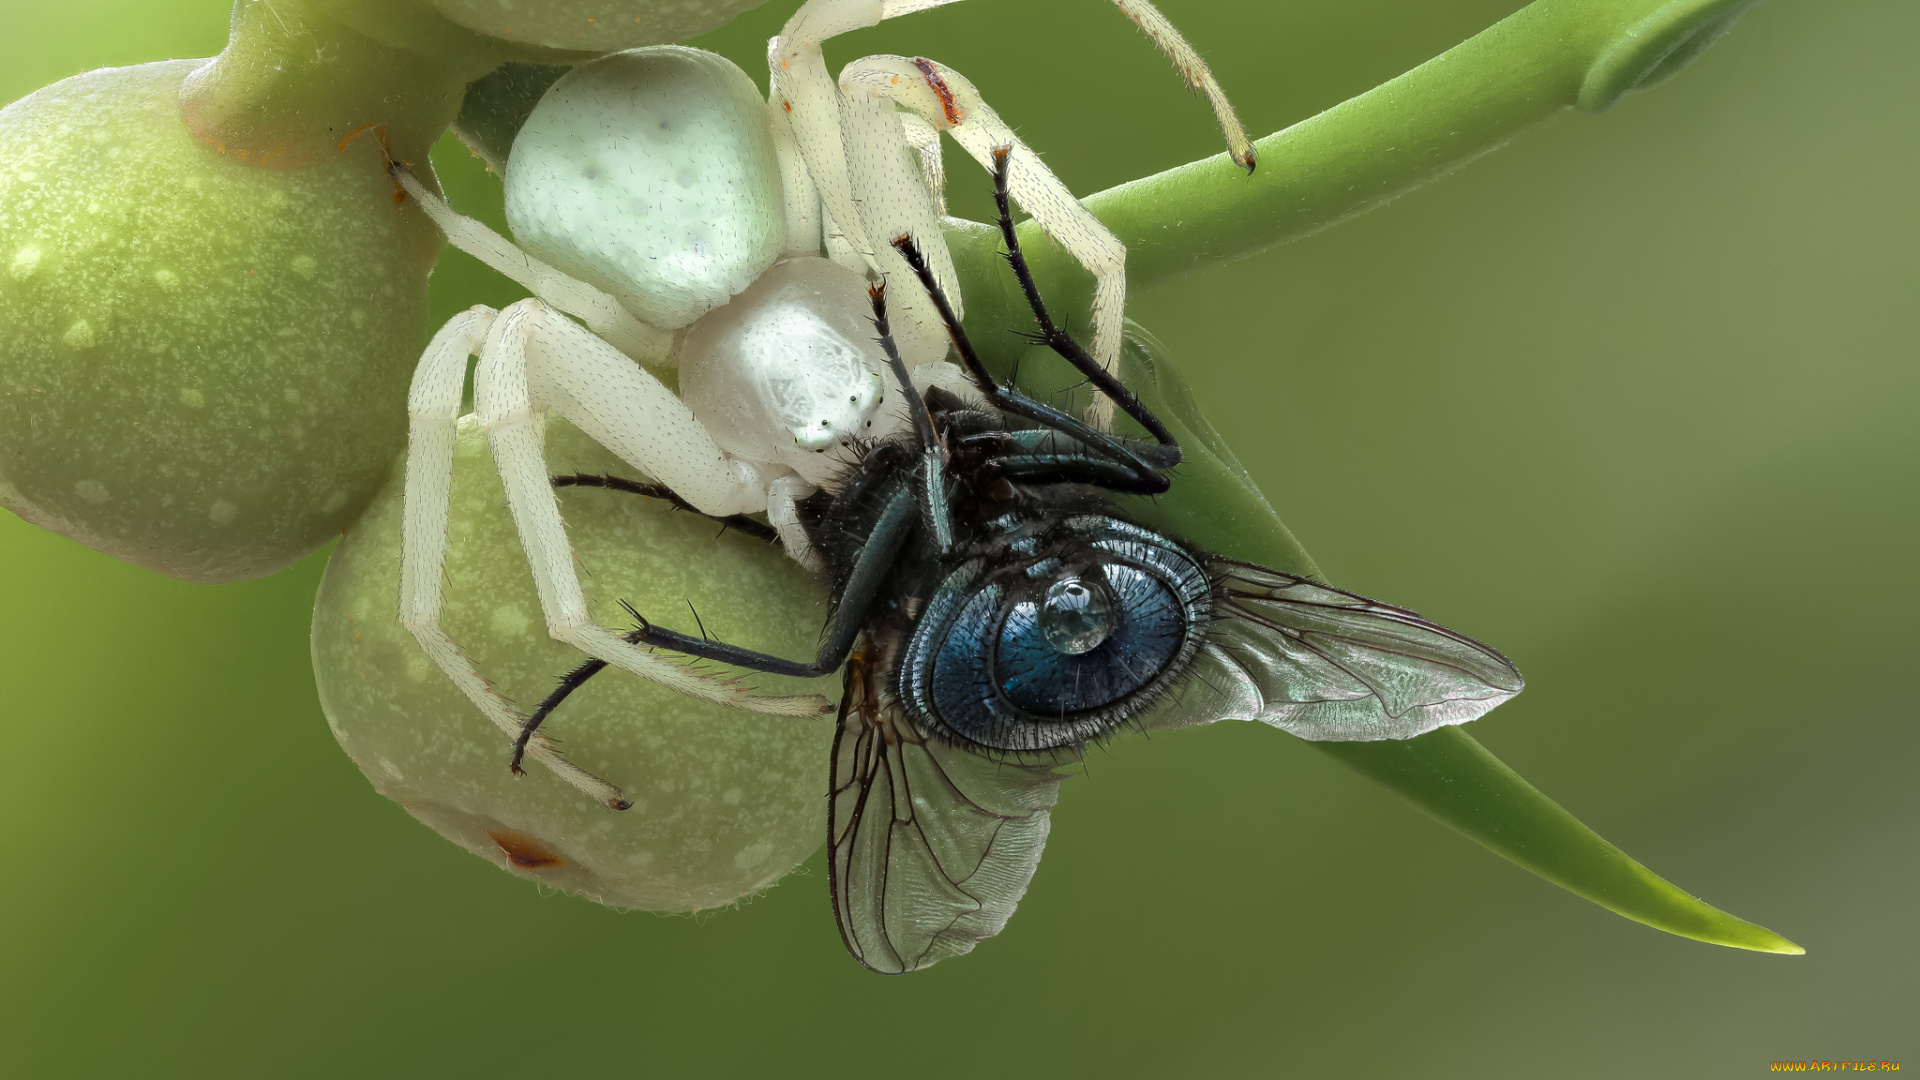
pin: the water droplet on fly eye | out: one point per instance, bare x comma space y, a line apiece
1077, 615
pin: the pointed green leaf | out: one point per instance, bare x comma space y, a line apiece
1457, 781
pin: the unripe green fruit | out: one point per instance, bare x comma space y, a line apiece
724, 802
203, 361
594, 25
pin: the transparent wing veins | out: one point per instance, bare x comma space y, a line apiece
932, 845
1327, 664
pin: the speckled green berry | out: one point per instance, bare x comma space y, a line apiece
725, 802
203, 361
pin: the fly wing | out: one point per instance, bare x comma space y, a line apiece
1330, 665
931, 845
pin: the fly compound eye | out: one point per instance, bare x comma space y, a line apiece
1004, 661
1077, 615
1088, 644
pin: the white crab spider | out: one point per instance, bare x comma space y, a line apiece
652, 187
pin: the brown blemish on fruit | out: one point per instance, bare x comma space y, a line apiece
524, 851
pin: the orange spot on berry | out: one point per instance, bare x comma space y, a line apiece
524, 851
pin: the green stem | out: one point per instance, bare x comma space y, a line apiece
295, 79
1546, 58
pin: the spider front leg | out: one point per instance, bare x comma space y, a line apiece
857, 154
531, 359
602, 313
534, 359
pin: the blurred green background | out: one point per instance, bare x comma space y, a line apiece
1633, 399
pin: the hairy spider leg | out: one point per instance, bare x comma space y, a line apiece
1195, 71
853, 152
1055, 338
924, 138
576, 678
883, 543
532, 359
947, 100
601, 312
737, 522
433, 405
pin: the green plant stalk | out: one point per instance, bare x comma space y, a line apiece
1552, 56
1545, 59
298, 76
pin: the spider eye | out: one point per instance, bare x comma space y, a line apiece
1058, 648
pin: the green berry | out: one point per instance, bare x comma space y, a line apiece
203, 361
724, 802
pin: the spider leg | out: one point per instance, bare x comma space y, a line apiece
433, 404
783, 513
858, 156
854, 146
925, 140
802, 198
602, 313
737, 522
944, 98
534, 359
1195, 71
